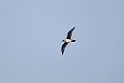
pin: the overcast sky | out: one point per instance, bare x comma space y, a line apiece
31, 32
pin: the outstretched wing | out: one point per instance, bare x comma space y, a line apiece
63, 47
70, 33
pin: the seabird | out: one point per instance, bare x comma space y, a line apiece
67, 40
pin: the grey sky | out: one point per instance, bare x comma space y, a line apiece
31, 32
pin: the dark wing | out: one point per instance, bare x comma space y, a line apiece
70, 33
63, 47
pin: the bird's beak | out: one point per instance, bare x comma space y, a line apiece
62, 40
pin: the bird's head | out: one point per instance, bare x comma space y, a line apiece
62, 40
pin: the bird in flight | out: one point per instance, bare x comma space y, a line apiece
67, 40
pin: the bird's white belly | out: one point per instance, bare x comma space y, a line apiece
68, 40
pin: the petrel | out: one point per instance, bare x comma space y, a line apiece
67, 40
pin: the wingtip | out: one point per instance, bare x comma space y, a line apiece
73, 28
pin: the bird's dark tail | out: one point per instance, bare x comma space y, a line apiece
73, 40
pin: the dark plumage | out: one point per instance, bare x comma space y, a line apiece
63, 47
70, 33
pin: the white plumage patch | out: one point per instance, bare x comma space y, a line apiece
68, 40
